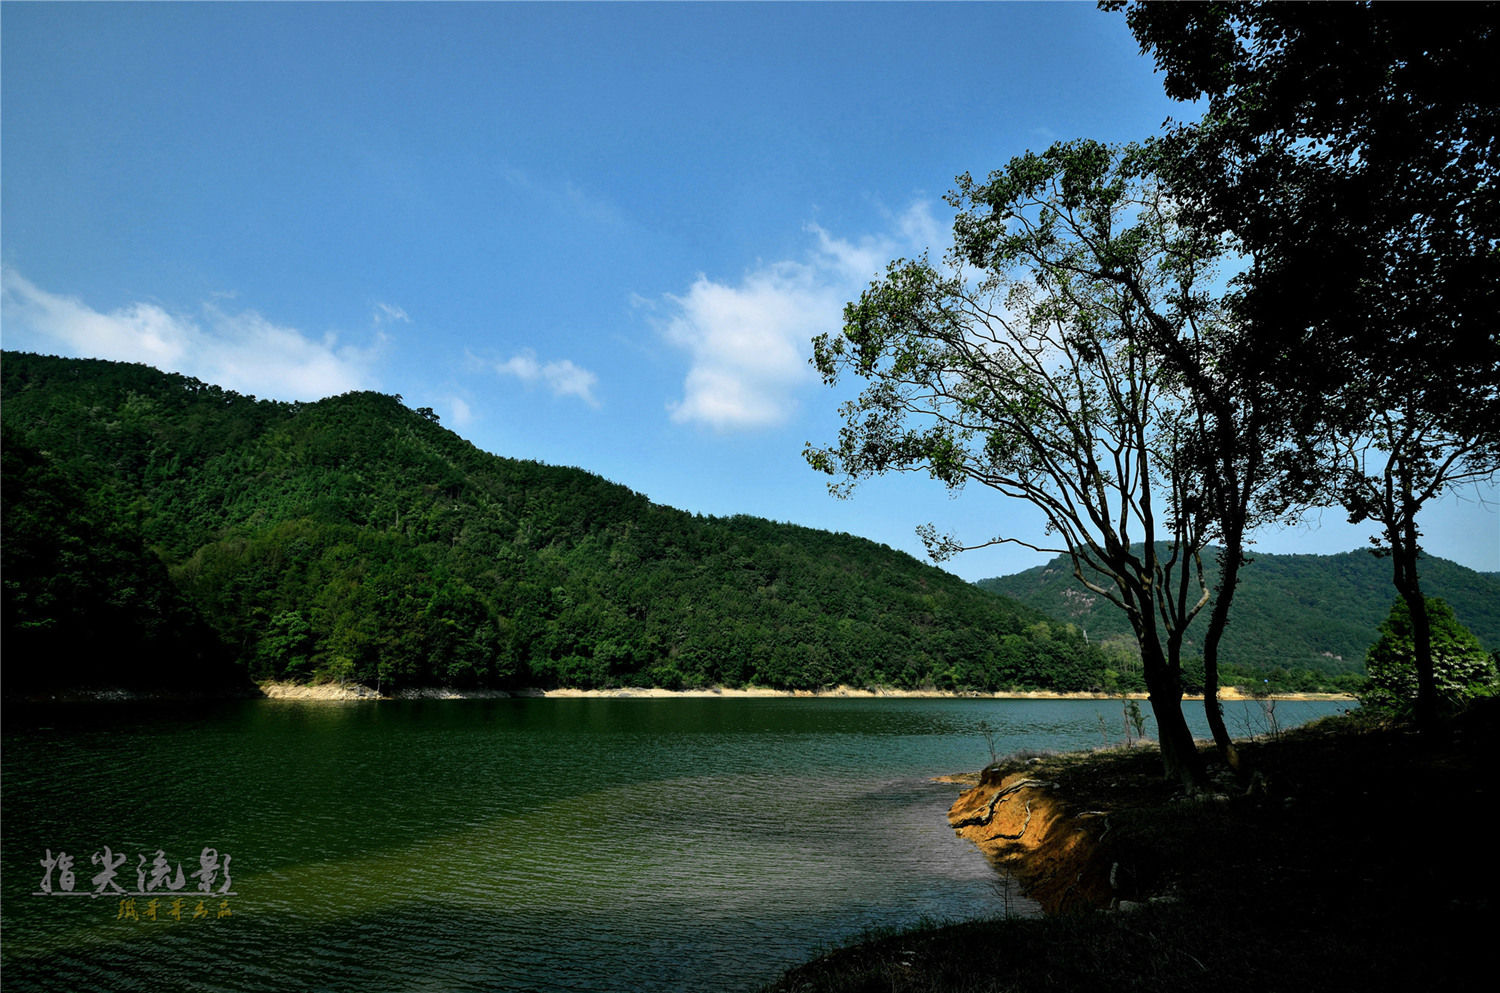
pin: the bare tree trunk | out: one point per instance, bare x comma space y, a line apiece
1229, 572
1404, 557
1400, 516
1179, 752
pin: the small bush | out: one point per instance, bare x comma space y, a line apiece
1461, 668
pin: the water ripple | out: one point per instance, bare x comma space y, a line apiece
507, 845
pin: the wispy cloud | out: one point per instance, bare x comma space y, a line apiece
241, 351
561, 376
748, 342
389, 313
566, 197
460, 414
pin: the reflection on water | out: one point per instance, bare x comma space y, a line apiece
599, 845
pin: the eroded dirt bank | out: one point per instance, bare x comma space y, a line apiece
1355, 856
1024, 825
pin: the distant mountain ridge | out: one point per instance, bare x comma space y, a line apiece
150, 516
1293, 611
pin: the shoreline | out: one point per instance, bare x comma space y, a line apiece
296, 691
354, 692
1255, 885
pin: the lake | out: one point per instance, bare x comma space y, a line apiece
700, 844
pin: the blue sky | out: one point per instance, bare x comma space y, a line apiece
591, 235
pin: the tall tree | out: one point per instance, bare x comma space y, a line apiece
1029, 363
1350, 152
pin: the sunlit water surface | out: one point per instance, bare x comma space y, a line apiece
503, 845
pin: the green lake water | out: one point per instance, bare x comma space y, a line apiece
502, 845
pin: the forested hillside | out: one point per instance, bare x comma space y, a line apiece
159, 529
1317, 613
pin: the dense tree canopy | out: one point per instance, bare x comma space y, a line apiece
1350, 149
80, 585
1350, 152
356, 539
1300, 622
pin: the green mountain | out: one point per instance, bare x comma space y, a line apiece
1291, 612
160, 529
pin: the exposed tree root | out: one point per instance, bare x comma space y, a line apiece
988, 814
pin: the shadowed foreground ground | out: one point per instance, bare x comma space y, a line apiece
1358, 859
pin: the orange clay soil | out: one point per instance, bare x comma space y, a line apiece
1023, 825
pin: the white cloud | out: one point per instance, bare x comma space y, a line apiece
748, 343
460, 414
562, 377
240, 351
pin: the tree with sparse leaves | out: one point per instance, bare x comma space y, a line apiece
1031, 361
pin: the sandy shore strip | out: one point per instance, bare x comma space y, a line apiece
352, 691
